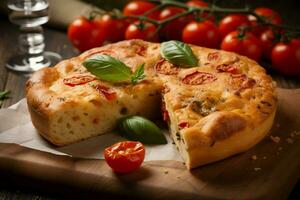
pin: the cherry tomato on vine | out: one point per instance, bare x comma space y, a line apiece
139, 8
286, 57
268, 41
145, 31
200, 4
268, 14
204, 34
245, 44
231, 22
125, 157
172, 30
85, 34
114, 28
197, 3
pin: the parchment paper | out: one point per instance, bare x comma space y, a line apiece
16, 127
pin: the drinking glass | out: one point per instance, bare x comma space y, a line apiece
30, 15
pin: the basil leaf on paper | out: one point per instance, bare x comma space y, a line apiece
178, 53
141, 129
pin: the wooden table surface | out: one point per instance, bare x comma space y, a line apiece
57, 41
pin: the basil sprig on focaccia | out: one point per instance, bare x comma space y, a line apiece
107, 68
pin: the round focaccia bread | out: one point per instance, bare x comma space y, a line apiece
221, 107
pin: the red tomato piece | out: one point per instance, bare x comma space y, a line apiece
78, 79
139, 8
172, 30
85, 34
227, 68
105, 91
199, 78
114, 28
165, 67
183, 125
204, 34
125, 157
165, 113
247, 45
286, 57
145, 31
213, 56
232, 22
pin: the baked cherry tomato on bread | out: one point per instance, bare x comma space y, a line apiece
286, 57
199, 78
204, 34
246, 44
145, 31
231, 22
78, 79
114, 28
85, 34
125, 157
139, 8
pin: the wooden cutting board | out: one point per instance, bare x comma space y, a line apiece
271, 175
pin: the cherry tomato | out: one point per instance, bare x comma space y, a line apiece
85, 34
125, 157
78, 79
145, 31
114, 28
229, 68
268, 41
247, 45
270, 15
286, 57
199, 78
139, 8
197, 3
172, 30
200, 4
232, 22
166, 68
201, 33
105, 91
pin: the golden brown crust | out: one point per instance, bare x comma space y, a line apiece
212, 106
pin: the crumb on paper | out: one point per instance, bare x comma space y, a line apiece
257, 169
166, 171
254, 157
292, 134
275, 139
265, 157
289, 140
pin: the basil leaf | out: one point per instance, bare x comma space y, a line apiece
178, 53
4, 94
141, 129
108, 68
138, 74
